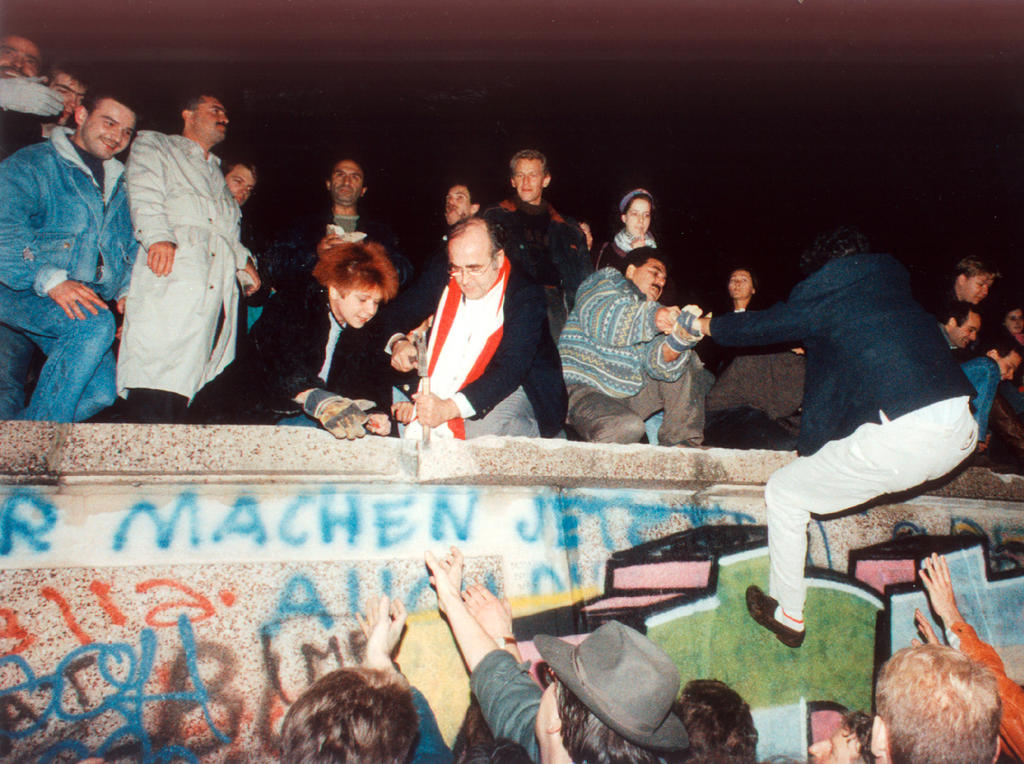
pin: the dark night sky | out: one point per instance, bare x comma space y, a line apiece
755, 124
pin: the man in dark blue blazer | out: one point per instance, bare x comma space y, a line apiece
494, 367
885, 404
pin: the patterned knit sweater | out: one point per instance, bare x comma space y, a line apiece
610, 341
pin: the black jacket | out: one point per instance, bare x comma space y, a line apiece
286, 354
525, 356
289, 260
870, 346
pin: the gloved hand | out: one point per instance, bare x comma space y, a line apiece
686, 333
27, 95
340, 416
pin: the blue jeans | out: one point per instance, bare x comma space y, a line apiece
983, 374
15, 356
77, 380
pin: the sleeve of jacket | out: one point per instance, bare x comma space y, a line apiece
783, 322
283, 337
21, 262
407, 311
145, 173
430, 746
655, 364
509, 699
525, 319
610, 314
1011, 728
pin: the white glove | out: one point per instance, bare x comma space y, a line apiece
28, 95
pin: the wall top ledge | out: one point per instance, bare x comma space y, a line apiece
61, 454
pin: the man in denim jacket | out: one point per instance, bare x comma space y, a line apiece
66, 248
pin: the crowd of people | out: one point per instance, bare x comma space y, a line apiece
517, 325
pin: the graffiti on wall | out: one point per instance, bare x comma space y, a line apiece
180, 627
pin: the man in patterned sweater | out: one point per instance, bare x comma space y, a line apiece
625, 357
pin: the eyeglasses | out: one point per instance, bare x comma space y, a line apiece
469, 270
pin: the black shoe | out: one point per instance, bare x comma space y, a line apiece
762, 609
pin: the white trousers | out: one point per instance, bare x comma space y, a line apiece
875, 459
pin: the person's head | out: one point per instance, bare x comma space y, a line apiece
70, 85
635, 210
1013, 319
241, 180
1007, 354
205, 120
529, 173
718, 723
611, 699
19, 57
742, 286
839, 242
849, 744
973, 278
354, 715
359, 276
475, 257
104, 126
935, 705
961, 322
646, 268
347, 185
458, 204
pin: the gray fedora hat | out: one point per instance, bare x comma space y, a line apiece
625, 679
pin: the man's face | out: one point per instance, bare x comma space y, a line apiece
241, 183
973, 289
529, 180
346, 183
471, 264
355, 308
106, 130
1008, 364
71, 90
207, 124
962, 336
842, 748
458, 206
649, 277
19, 57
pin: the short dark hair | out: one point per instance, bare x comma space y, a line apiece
839, 242
357, 265
718, 722
355, 715
750, 271
227, 165
859, 724
587, 738
1003, 344
74, 71
637, 257
527, 154
975, 266
191, 102
958, 310
93, 99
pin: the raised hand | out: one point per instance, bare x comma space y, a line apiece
382, 626
938, 584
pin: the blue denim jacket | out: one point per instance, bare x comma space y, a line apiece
56, 222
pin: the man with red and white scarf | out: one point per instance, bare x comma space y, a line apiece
493, 367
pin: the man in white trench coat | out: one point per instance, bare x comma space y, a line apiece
180, 317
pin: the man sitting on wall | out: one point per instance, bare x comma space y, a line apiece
623, 361
493, 367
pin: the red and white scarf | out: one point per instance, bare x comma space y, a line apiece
464, 336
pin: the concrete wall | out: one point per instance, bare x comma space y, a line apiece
169, 591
